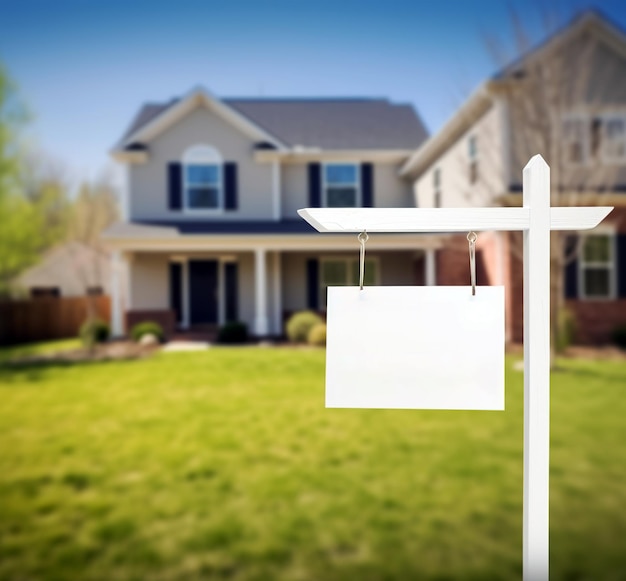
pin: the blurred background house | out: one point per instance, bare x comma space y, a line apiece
67, 270
564, 99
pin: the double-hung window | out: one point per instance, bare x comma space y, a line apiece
575, 143
614, 139
345, 272
472, 147
597, 273
601, 138
202, 179
437, 188
341, 185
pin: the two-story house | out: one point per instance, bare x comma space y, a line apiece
565, 99
210, 231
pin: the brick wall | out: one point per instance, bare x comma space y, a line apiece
453, 263
164, 317
595, 319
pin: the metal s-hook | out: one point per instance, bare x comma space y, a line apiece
362, 238
471, 238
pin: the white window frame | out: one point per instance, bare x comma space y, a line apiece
437, 187
357, 185
609, 265
473, 158
583, 118
202, 154
611, 116
349, 261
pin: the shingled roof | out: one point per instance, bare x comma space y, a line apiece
344, 123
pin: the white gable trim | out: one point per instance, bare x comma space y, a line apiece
199, 97
470, 112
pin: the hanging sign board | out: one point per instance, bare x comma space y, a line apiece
415, 348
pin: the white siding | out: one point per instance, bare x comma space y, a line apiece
453, 164
148, 182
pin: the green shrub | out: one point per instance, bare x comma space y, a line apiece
317, 335
567, 330
94, 331
147, 328
300, 324
618, 336
234, 332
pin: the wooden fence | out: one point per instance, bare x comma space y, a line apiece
45, 318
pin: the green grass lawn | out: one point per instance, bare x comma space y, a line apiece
225, 464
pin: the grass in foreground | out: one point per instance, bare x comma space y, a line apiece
225, 464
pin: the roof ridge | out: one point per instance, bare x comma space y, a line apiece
307, 99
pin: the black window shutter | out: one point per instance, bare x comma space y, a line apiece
367, 185
230, 283
175, 185
175, 290
620, 264
230, 185
315, 185
312, 281
571, 269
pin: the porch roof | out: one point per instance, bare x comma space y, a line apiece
247, 235
204, 227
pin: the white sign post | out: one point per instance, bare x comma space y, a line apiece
535, 218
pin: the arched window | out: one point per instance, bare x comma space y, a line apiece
202, 178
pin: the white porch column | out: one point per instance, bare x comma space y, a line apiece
430, 267
278, 297
117, 309
261, 322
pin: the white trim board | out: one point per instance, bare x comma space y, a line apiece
195, 98
446, 219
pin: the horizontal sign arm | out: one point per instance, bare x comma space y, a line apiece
446, 219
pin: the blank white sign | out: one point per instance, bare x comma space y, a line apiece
426, 347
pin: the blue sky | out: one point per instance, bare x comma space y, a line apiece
85, 67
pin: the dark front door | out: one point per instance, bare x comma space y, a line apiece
203, 291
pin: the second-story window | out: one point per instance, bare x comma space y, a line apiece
437, 188
341, 185
614, 139
575, 140
472, 147
202, 178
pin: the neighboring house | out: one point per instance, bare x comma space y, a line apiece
210, 231
478, 156
68, 270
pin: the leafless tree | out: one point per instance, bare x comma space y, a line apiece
95, 208
556, 94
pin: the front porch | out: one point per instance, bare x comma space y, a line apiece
197, 291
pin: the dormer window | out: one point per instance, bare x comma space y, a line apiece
202, 178
341, 185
